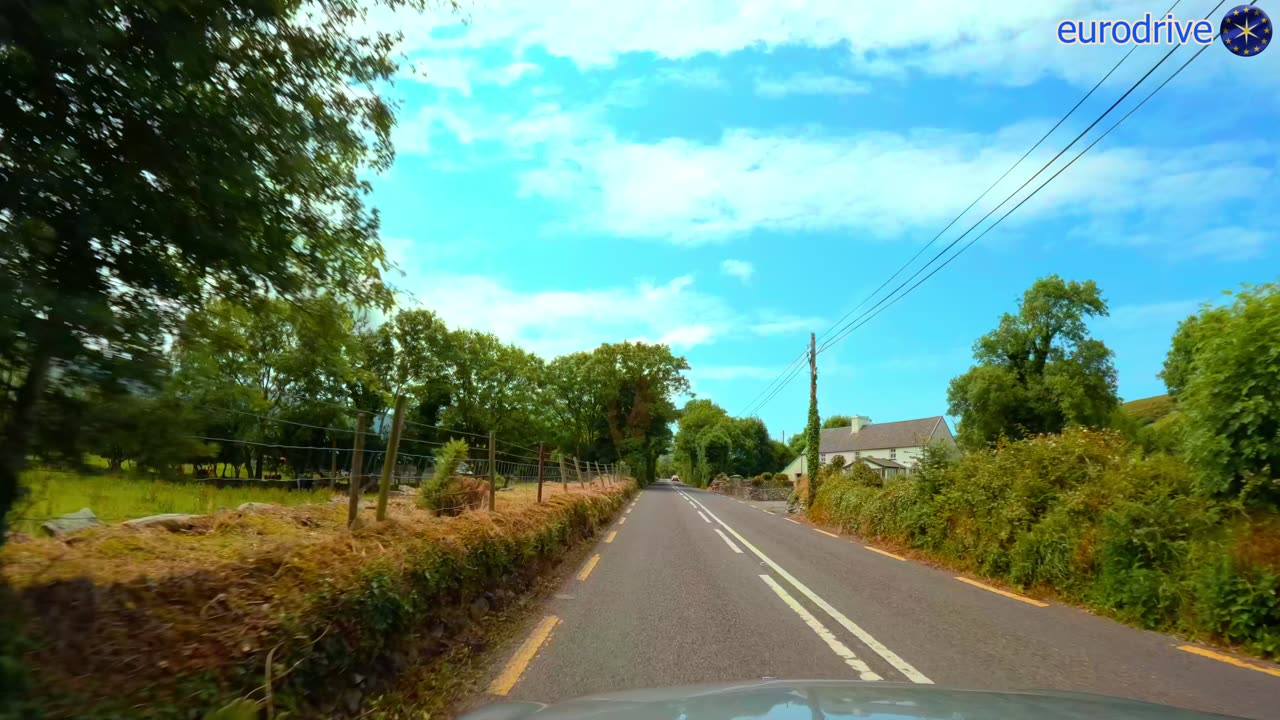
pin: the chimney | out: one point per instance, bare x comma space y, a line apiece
859, 422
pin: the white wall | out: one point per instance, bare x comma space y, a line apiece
906, 456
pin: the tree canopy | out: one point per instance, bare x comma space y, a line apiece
836, 421
709, 442
1040, 370
159, 153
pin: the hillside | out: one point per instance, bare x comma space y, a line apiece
1148, 410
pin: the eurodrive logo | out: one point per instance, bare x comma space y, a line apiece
1245, 30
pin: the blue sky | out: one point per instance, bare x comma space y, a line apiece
729, 176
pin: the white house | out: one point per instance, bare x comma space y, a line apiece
889, 448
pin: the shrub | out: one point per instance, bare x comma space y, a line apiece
447, 493
1089, 515
837, 463
782, 478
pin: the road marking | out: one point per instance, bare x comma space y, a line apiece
998, 591
1227, 659
704, 517
886, 553
828, 534
628, 512
726, 539
793, 521
591, 565
612, 534
837, 647
623, 521
510, 674
890, 656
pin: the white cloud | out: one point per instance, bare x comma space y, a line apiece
705, 78
1003, 43
555, 322
740, 269
780, 325
460, 73
733, 372
809, 84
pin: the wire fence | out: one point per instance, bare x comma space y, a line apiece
382, 455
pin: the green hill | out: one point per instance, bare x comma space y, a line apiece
1149, 410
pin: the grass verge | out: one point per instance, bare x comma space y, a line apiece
282, 607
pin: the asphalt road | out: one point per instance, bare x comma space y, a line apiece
671, 601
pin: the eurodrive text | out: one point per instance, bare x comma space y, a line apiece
1146, 31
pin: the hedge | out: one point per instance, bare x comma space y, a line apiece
1088, 517
158, 625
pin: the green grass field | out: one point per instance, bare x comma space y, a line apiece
114, 498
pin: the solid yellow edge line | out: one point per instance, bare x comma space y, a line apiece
828, 534
623, 521
998, 591
612, 534
1227, 659
591, 565
510, 675
886, 553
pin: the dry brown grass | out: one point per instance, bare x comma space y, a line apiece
117, 612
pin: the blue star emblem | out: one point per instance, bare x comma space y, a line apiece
1246, 30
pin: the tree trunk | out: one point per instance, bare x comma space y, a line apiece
17, 436
257, 471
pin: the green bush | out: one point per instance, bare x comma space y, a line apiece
837, 463
1089, 516
782, 478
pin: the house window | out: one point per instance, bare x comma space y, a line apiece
893, 454
857, 454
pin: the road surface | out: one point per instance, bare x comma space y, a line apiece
690, 587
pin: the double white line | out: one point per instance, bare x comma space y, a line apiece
839, 648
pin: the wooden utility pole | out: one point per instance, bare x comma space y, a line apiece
389, 458
493, 472
354, 478
541, 455
813, 431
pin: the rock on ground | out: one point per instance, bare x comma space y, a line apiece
169, 521
81, 519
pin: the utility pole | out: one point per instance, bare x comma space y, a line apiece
813, 432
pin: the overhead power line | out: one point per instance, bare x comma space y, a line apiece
1033, 193
757, 404
844, 332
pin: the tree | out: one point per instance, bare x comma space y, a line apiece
641, 383
1229, 394
836, 421
795, 444
1039, 370
156, 153
496, 388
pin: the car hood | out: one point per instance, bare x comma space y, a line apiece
835, 699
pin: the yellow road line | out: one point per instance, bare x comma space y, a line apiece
793, 521
998, 591
1227, 659
623, 521
510, 675
828, 534
591, 565
612, 534
886, 553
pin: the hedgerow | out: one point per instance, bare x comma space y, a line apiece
282, 606
1087, 516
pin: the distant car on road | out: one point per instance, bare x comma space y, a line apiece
675, 478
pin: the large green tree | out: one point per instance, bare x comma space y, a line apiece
836, 421
1228, 390
156, 153
1039, 370
641, 382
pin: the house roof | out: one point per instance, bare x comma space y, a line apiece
879, 436
885, 462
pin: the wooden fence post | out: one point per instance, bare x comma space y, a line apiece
493, 472
333, 466
564, 476
540, 456
354, 478
577, 469
389, 458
